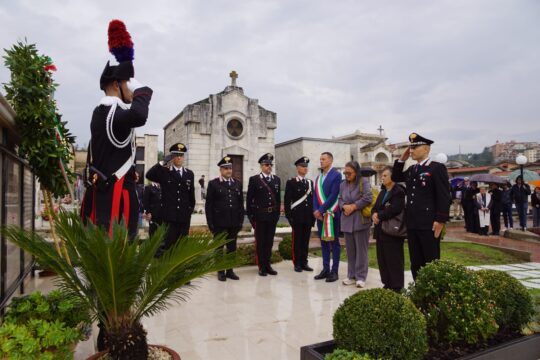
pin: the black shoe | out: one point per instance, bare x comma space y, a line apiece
231, 275
221, 276
298, 269
322, 275
306, 268
332, 277
271, 271
262, 272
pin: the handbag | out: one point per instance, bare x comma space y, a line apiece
395, 226
366, 211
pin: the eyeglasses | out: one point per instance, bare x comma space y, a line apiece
268, 165
412, 147
347, 173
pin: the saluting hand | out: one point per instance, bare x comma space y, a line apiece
405, 155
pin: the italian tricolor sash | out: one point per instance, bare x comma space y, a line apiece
327, 231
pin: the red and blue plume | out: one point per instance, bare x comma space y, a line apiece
120, 44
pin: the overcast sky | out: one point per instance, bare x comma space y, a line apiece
459, 72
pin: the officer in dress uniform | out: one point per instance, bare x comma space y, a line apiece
263, 205
177, 194
224, 209
152, 206
299, 212
111, 193
428, 201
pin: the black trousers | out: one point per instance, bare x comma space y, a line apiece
495, 220
232, 235
423, 248
391, 260
301, 234
152, 227
175, 230
264, 240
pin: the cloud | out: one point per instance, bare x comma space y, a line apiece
463, 73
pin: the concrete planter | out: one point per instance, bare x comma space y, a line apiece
524, 348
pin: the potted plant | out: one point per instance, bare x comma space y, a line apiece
121, 281
54, 306
37, 339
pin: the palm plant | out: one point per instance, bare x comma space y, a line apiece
122, 281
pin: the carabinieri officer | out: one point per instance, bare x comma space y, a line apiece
263, 204
428, 201
224, 209
177, 194
299, 212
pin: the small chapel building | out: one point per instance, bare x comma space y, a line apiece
226, 123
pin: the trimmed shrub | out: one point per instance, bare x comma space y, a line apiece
513, 303
381, 323
247, 255
340, 354
455, 303
285, 247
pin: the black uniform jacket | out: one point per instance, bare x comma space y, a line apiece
152, 202
295, 189
177, 193
224, 206
263, 201
428, 193
105, 156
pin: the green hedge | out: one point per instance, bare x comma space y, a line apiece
247, 254
514, 304
285, 247
455, 303
382, 324
340, 354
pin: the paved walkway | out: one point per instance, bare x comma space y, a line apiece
263, 318
527, 273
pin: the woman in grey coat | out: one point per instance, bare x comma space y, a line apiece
353, 197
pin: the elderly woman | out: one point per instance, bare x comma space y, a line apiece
390, 203
354, 195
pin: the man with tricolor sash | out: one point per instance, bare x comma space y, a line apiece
327, 213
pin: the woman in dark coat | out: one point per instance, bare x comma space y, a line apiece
390, 203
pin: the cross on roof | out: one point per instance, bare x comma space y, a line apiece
234, 76
380, 130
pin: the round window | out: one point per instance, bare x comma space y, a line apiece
235, 128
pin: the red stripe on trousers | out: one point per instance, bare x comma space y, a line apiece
256, 252
292, 247
115, 209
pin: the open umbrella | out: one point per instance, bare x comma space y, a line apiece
535, 183
455, 181
367, 171
487, 178
528, 175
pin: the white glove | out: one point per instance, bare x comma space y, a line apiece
133, 84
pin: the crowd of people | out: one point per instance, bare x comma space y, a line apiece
483, 204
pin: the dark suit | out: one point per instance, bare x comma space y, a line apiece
153, 206
471, 214
428, 200
178, 199
390, 248
495, 210
300, 217
263, 203
224, 209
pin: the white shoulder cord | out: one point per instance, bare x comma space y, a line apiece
109, 127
